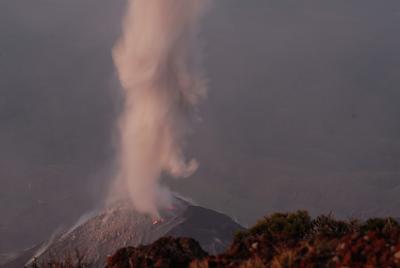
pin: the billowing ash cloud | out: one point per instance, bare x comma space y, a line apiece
158, 65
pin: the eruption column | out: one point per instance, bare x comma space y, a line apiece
157, 60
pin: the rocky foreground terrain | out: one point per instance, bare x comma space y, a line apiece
279, 240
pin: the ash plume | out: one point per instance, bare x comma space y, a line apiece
157, 60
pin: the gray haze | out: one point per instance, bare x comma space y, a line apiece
303, 110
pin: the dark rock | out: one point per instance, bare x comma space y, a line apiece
166, 252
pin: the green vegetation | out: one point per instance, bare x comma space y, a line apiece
296, 240
298, 225
379, 225
281, 226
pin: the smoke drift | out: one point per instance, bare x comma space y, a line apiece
157, 59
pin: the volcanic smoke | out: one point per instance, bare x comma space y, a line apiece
157, 60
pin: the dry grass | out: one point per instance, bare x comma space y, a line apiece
285, 258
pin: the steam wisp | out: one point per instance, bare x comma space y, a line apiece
157, 60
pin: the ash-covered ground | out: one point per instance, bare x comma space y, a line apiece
119, 225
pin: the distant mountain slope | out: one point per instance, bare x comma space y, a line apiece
120, 226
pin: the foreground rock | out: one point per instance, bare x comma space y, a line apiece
165, 252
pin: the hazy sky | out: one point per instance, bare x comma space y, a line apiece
303, 110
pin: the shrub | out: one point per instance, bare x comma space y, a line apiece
240, 235
328, 226
284, 225
379, 225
